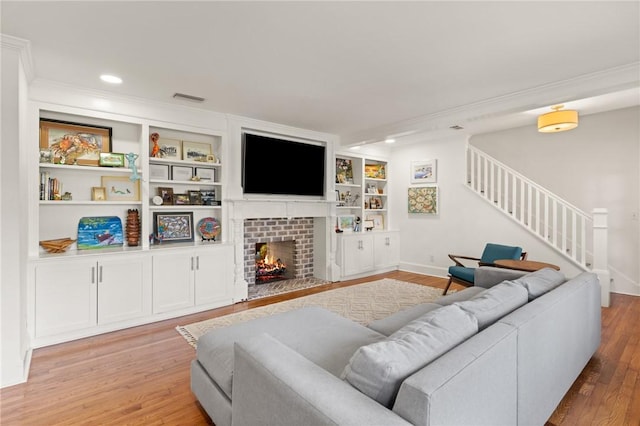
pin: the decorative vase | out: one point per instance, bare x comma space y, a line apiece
133, 228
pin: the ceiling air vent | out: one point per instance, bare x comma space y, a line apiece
456, 127
188, 97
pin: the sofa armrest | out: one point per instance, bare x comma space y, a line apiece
275, 385
488, 276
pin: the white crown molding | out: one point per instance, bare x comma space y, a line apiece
584, 86
23, 47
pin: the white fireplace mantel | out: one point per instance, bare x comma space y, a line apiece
241, 209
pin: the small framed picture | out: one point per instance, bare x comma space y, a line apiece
181, 173
159, 171
166, 194
74, 143
346, 222
181, 199
206, 174
377, 219
170, 148
111, 159
173, 227
375, 171
98, 193
368, 225
195, 151
424, 171
423, 199
208, 197
121, 188
195, 198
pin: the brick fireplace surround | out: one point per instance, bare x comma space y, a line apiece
270, 230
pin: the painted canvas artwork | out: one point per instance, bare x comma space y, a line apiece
99, 232
423, 199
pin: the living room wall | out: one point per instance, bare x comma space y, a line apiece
595, 165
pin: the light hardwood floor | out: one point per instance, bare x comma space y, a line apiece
140, 376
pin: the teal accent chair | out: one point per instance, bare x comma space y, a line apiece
461, 274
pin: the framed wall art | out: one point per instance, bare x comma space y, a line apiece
111, 159
195, 151
98, 193
74, 143
159, 171
172, 227
346, 222
424, 171
377, 219
181, 173
121, 188
375, 171
423, 199
170, 148
166, 193
344, 170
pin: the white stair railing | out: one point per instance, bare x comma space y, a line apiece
564, 227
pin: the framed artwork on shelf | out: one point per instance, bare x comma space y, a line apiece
170, 148
208, 197
206, 174
166, 194
195, 151
98, 193
424, 171
111, 159
346, 222
377, 219
181, 199
171, 227
181, 173
121, 188
159, 171
375, 171
423, 199
344, 170
74, 143
195, 198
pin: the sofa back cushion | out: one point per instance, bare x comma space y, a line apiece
378, 369
540, 282
494, 303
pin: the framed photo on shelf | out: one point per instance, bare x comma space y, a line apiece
377, 219
195, 151
111, 159
424, 171
205, 173
375, 171
344, 170
172, 227
181, 173
121, 188
195, 198
74, 143
208, 197
170, 148
166, 194
181, 199
423, 199
346, 222
159, 171
98, 193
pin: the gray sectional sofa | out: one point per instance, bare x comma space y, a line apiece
502, 355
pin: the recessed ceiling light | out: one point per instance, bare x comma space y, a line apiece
110, 79
390, 141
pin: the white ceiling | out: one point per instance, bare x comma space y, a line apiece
362, 70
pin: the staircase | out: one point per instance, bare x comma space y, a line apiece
578, 236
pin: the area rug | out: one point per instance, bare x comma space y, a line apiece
362, 303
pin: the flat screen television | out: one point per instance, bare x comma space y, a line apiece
275, 166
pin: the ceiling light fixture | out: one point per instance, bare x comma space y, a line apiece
389, 141
558, 120
110, 79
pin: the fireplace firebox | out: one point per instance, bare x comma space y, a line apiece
274, 261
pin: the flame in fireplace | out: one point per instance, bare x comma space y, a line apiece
269, 268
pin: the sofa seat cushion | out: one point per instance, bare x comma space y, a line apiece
378, 369
540, 282
323, 337
395, 322
491, 305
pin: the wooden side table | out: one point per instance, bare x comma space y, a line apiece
524, 265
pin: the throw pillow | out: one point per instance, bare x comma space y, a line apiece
539, 282
378, 369
491, 305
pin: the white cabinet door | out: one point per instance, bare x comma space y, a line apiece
124, 288
386, 249
65, 296
172, 281
213, 274
357, 254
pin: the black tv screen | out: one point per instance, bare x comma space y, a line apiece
277, 166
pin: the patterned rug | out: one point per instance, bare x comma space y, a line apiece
362, 303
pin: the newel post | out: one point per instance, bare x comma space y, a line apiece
600, 253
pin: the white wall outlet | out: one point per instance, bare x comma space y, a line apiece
431, 259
